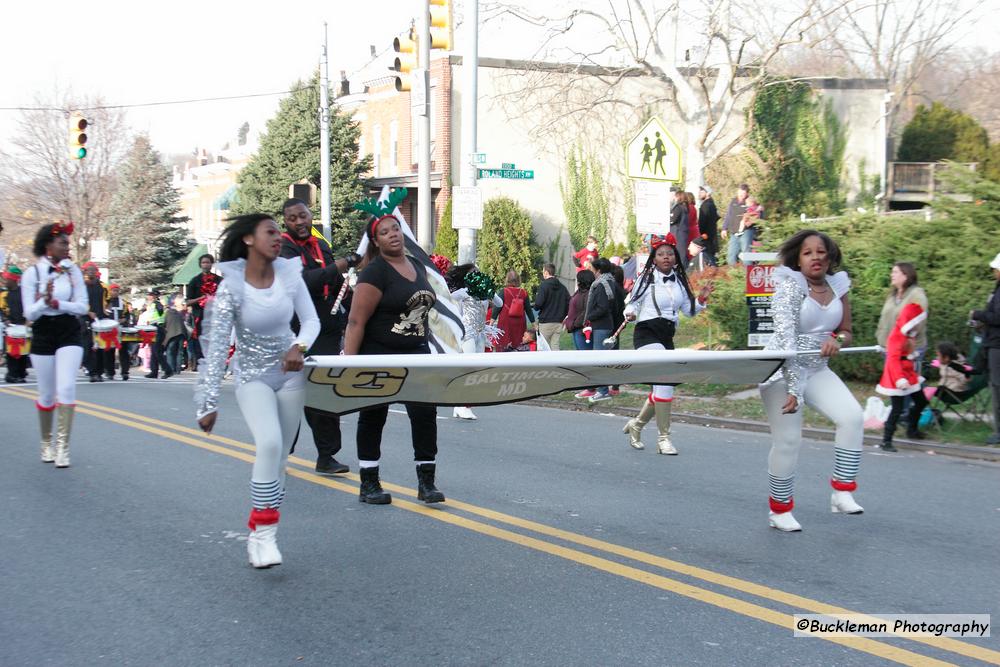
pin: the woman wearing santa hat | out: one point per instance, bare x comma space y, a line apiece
661, 294
899, 377
54, 297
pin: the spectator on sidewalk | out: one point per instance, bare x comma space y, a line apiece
731, 226
708, 225
679, 224
511, 317
583, 257
552, 304
990, 316
574, 322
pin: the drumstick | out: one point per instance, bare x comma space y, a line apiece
613, 338
343, 291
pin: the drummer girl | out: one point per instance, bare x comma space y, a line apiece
54, 295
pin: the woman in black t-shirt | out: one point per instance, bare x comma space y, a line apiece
392, 300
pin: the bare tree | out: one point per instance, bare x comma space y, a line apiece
630, 57
41, 180
896, 40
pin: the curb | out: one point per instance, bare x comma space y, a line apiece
983, 453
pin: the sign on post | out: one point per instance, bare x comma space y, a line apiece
652, 207
516, 174
653, 154
466, 208
759, 293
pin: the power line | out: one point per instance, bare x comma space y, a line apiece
151, 104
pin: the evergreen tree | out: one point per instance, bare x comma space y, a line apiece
446, 240
507, 243
290, 152
940, 133
148, 240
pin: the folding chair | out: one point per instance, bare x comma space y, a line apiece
974, 404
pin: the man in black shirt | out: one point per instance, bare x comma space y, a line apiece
324, 277
708, 225
552, 304
199, 289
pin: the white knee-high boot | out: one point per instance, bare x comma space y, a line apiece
663, 444
46, 416
63, 427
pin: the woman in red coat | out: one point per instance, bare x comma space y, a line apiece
899, 377
510, 319
694, 232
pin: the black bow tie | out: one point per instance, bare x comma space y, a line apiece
671, 278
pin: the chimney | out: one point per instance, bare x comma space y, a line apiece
371, 49
345, 85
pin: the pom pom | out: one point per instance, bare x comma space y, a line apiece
442, 263
480, 285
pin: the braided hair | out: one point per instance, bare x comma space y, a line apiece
645, 278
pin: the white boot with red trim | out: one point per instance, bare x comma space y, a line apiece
842, 500
781, 516
262, 544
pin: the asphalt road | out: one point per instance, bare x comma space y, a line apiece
559, 545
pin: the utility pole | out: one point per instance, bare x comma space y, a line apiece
324, 140
470, 98
425, 202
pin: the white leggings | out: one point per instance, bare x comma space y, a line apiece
662, 393
273, 415
56, 375
827, 393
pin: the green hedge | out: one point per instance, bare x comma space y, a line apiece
951, 252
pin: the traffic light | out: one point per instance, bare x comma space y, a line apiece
406, 59
441, 25
77, 136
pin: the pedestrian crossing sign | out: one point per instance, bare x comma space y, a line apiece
653, 154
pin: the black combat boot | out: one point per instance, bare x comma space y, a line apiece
426, 491
371, 489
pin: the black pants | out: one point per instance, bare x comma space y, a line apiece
17, 368
423, 430
124, 360
157, 357
919, 403
325, 428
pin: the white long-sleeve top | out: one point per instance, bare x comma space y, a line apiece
261, 319
670, 296
67, 288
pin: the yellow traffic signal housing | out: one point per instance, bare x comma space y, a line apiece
77, 136
442, 36
406, 49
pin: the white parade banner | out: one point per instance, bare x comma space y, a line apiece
344, 384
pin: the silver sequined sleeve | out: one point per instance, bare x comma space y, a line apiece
786, 308
218, 325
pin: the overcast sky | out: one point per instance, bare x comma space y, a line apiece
132, 53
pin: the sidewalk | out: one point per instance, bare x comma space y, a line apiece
980, 452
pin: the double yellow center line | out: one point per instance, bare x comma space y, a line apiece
244, 452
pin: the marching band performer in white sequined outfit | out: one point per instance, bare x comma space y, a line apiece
811, 312
258, 296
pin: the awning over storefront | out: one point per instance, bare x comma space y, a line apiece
189, 269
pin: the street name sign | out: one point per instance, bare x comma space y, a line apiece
517, 174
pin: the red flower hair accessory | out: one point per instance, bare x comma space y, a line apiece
656, 241
62, 228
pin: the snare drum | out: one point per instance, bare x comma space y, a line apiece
17, 340
130, 335
147, 334
105, 334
